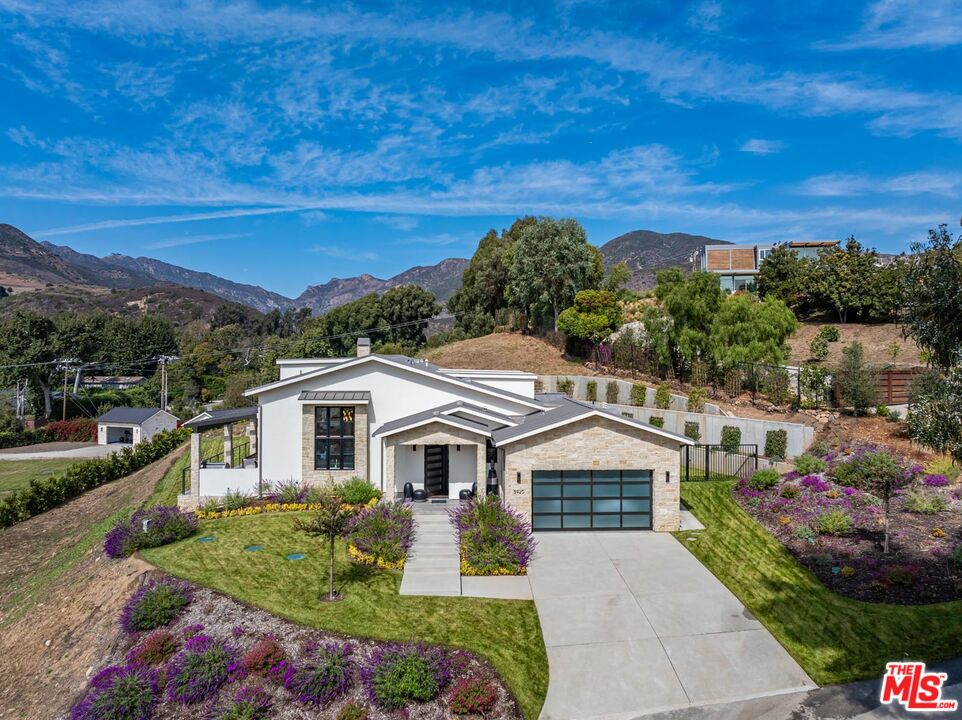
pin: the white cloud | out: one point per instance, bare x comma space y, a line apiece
341, 253
706, 16
758, 146
398, 222
901, 24
439, 239
945, 184
195, 240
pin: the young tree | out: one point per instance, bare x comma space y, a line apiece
617, 277
595, 314
883, 477
330, 523
748, 330
931, 299
856, 380
551, 262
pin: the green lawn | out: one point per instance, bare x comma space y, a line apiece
505, 632
169, 487
835, 639
17, 474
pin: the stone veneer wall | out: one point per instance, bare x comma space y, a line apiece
361, 441
597, 444
434, 433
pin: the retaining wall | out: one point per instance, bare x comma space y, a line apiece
549, 383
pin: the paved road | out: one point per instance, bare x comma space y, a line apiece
64, 450
634, 624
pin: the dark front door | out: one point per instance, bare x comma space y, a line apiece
436, 469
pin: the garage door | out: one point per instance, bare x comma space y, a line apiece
591, 500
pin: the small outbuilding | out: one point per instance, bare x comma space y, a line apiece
132, 425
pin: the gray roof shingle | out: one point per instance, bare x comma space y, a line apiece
215, 418
129, 415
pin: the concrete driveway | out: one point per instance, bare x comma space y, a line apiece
61, 450
634, 624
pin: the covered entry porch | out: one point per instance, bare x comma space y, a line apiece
438, 457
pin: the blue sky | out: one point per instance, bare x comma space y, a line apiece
285, 144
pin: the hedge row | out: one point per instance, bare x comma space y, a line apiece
79, 430
43, 495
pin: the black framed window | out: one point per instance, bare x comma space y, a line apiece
334, 438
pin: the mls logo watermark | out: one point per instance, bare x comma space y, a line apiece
908, 683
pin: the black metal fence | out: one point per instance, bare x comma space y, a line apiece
717, 462
239, 453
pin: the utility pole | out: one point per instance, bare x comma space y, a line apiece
65, 365
164, 359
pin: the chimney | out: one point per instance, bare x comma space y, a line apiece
363, 347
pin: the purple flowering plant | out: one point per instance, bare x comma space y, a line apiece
385, 532
198, 671
155, 604
163, 525
935, 480
129, 692
327, 673
494, 538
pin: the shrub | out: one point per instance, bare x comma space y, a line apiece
810, 465
265, 654
591, 391
328, 674
164, 525
829, 332
566, 386
894, 416
611, 392
692, 431
235, 499
899, 576
776, 444
663, 396
935, 480
156, 604
76, 430
926, 503
790, 491
472, 696
639, 393
764, 479
656, 421
357, 491
696, 399
155, 649
381, 535
818, 348
861, 466
882, 411
848, 571
815, 483
198, 671
856, 380
804, 532
494, 539
352, 711
943, 467
119, 693
42, 495
396, 675
731, 438
249, 703
833, 522
289, 491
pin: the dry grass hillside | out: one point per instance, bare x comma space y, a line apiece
506, 351
877, 340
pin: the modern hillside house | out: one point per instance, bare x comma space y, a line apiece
737, 265
396, 420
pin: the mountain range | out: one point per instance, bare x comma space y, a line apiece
57, 276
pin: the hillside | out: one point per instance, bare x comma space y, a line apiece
876, 338
506, 351
441, 279
26, 264
645, 252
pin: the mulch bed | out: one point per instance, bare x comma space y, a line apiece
241, 626
917, 570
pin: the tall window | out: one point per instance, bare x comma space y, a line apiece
334, 438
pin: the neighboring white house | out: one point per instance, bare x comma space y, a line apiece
393, 419
132, 425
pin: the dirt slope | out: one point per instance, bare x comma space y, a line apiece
875, 338
506, 351
57, 633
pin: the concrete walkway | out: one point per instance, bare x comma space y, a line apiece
634, 624
433, 566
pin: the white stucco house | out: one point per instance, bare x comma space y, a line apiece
565, 464
132, 425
